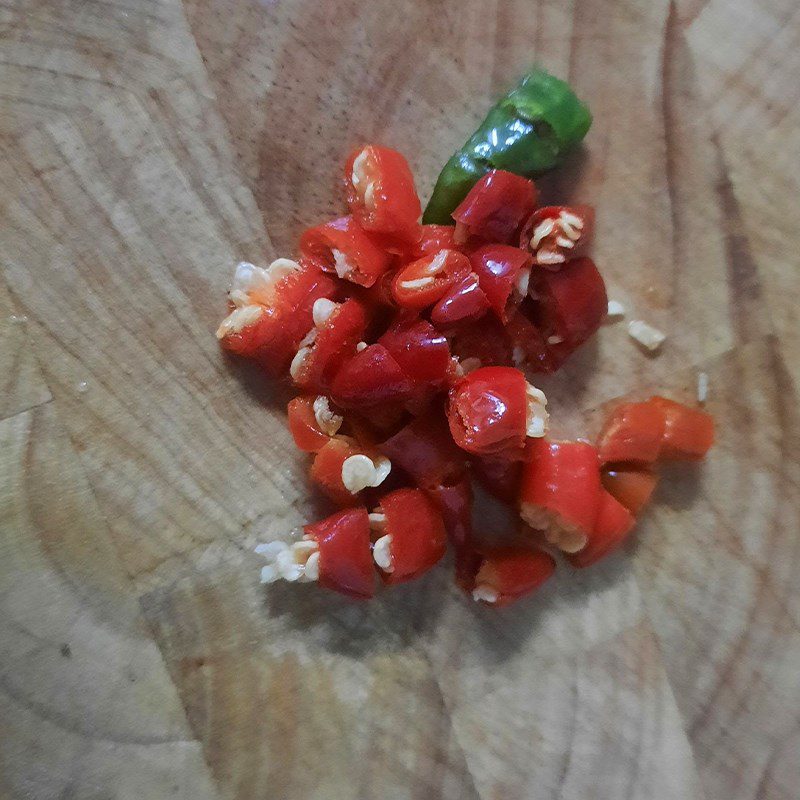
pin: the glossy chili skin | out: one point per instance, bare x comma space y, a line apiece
366, 258
326, 469
564, 479
495, 207
499, 268
572, 304
418, 535
631, 486
303, 425
434, 238
335, 343
513, 572
345, 557
464, 302
423, 282
487, 412
632, 433
688, 432
527, 132
383, 175
613, 524
370, 378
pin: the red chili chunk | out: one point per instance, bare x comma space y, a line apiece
632, 487
423, 282
488, 411
503, 273
411, 535
495, 207
370, 378
311, 422
505, 574
560, 491
633, 432
688, 432
611, 528
345, 558
344, 248
381, 193
557, 234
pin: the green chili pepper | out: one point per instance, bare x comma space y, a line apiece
527, 132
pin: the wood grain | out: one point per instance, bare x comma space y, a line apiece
144, 148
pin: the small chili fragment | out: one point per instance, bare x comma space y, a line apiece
688, 432
499, 476
343, 247
424, 281
338, 328
381, 193
493, 409
560, 491
611, 528
504, 273
633, 432
495, 207
341, 469
631, 487
484, 341
334, 552
556, 234
312, 422
410, 535
435, 238
505, 574
572, 304
528, 342
369, 378
465, 301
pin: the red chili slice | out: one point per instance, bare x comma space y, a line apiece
370, 378
421, 283
345, 557
613, 524
416, 536
572, 304
426, 452
326, 469
633, 432
435, 238
343, 247
495, 207
487, 411
464, 301
381, 193
631, 487
505, 574
304, 425
688, 432
557, 234
560, 491
331, 344
503, 272
421, 351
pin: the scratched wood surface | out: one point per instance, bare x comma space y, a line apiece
144, 148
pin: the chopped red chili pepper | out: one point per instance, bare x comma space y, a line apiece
435, 238
312, 422
370, 378
560, 491
633, 432
345, 558
688, 432
632, 487
464, 301
572, 304
490, 412
421, 351
503, 272
556, 234
499, 476
411, 535
505, 574
342, 468
381, 193
495, 207
484, 341
423, 282
338, 329
343, 247
426, 452
272, 311
528, 344
611, 528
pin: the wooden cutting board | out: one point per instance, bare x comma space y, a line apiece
146, 147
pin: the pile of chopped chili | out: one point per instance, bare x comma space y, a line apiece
411, 346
